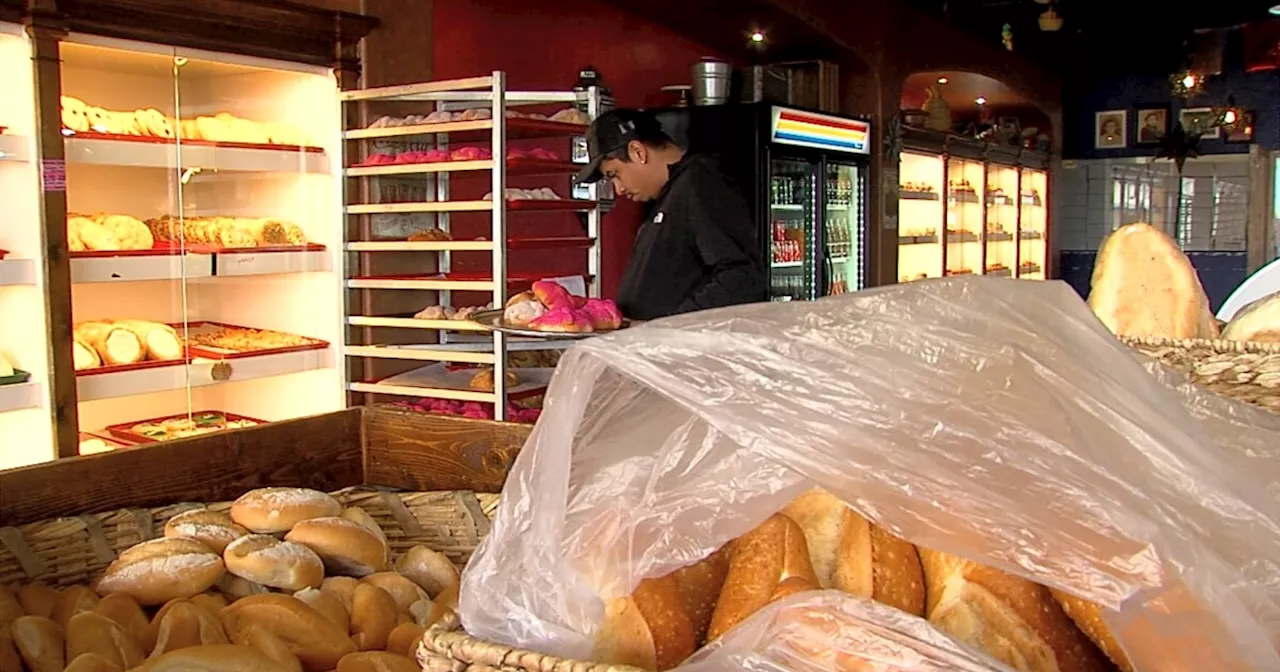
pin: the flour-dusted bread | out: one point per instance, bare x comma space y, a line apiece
272, 510
346, 546
1258, 322
163, 569
265, 560
212, 528
1145, 287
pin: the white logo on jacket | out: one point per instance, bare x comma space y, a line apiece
657, 219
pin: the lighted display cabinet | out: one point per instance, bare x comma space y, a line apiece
965, 208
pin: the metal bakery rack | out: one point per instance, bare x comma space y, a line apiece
380, 259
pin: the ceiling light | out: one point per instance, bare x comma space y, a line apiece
1229, 117
757, 37
942, 80
982, 100
1274, 10
1189, 81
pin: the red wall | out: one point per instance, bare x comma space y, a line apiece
541, 44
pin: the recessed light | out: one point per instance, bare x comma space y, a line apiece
942, 80
757, 37
982, 100
1275, 11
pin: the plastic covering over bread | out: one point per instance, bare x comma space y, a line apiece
995, 420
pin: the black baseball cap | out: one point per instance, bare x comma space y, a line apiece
612, 131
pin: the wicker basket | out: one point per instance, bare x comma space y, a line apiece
67, 551
446, 648
1248, 372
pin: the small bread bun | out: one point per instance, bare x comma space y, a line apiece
184, 624
400, 588
89, 632
345, 546
91, 662
272, 510
377, 661
39, 641
270, 644
124, 610
214, 658
268, 561
358, 515
404, 639
160, 570
520, 298
235, 588
212, 528
37, 599
431, 569
71, 601
328, 605
211, 602
373, 617
314, 639
341, 587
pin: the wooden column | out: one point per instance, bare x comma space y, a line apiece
1260, 229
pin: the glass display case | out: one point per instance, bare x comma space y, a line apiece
920, 216
204, 228
1000, 252
1033, 223
793, 205
966, 190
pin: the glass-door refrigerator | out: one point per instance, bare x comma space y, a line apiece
804, 175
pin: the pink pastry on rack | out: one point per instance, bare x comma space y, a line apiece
564, 319
603, 313
553, 295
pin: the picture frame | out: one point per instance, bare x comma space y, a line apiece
1242, 130
1151, 124
1200, 119
1110, 129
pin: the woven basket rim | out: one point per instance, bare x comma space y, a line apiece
482, 653
1215, 344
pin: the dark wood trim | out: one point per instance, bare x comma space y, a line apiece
935, 142
321, 452
11, 11
420, 451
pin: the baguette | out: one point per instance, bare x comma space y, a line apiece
39, 642
316, 641
211, 528
373, 617
345, 546
273, 510
851, 554
89, 632
1013, 620
265, 560
214, 658
761, 561
377, 661
160, 570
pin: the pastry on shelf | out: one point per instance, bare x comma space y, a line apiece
103, 232
204, 422
548, 306
244, 339
540, 194
431, 234
79, 117
571, 115
483, 380
117, 343
435, 313
230, 232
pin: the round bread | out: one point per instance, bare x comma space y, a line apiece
160, 570
212, 528
345, 546
428, 568
263, 559
400, 588
272, 510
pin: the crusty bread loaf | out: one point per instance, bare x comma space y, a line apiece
90, 662
39, 642
214, 658
89, 632
345, 546
405, 592
373, 617
211, 602
1144, 286
428, 614
156, 571
184, 624
700, 585
9, 658
377, 661
356, 514
272, 510
328, 605
1013, 620
1088, 617
404, 639
314, 639
71, 601
37, 599
212, 528
851, 554
235, 588
1258, 322
624, 637
265, 560
10, 607
124, 610
341, 587
272, 645
761, 561
429, 568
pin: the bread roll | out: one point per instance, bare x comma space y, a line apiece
404, 639
160, 340
341, 587
1258, 322
37, 599
402, 590
373, 617
1013, 620
89, 632
9, 658
71, 601
1088, 617
1144, 286
328, 605
431, 569
91, 662
116, 345
356, 514
84, 356
272, 510
377, 661
700, 585
210, 602
184, 624
160, 570
346, 547
124, 610
760, 562
212, 528
316, 641
265, 560
214, 658
851, 554
235, 588
269, 643
10, 607
39, 641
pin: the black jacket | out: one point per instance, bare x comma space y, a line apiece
697, 249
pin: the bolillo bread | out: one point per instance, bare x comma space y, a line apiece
851, 554
314, 639
39, 642
766, 564
124, 610
214, 658
346, 547
265, 560
377, 661
212, 528
272, 510
89, 632
156, 571
1088, 617
373, 616
183, 624
37, 599
1013, 620
90, 662
71, 601
429, 568
1258, 322
328, 605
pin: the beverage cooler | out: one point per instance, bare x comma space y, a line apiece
804, 175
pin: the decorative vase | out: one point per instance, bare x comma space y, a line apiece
937, 112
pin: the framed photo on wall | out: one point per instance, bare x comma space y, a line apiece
1242, 130
1200, 120
1153, 124
1109, 129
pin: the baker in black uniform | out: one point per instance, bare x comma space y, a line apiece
699, 248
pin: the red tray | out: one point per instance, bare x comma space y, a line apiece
552, 242
563, 204
197, 351
530, 166
147, 364
149, 140
3, 252
164, 249
122, 431
512, 278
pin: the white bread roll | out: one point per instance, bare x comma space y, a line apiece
265, 560
37, 599
183, 624
1258, 322
431, 569
161, 340
851, 554
89, 632
328, 605
1013, 620
124, 610
39, 642
766, 564
341, 587
373, 617
314, 639
377, 661
345, 546
91, 662
160, 570
403, 591
272, 510
212, 528
71, 601
214, 658
1145, 287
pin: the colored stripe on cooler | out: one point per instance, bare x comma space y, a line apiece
820, 131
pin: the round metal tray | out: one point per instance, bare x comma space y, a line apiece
492, 320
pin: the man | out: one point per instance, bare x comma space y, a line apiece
698, 249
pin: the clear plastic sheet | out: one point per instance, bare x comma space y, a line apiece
991, 419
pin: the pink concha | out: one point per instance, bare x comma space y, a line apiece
604, 313
556, 317
552, 294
